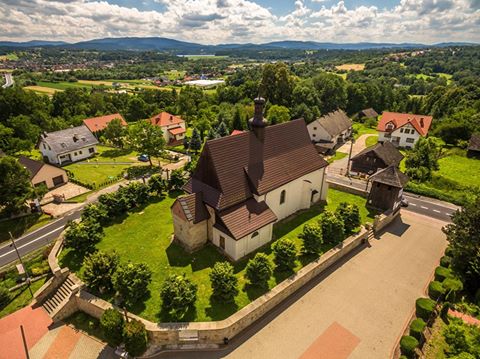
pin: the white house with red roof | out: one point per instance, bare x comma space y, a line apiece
100, 123
403, 129
173, 127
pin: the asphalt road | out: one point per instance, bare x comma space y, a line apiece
8, 80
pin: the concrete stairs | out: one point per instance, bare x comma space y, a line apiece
60, 297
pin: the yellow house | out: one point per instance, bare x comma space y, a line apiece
43, 173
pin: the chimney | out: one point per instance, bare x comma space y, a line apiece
258, 123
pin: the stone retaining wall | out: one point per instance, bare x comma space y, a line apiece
348, 189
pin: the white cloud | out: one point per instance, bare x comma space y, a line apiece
220, 21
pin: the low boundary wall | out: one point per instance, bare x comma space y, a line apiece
348, 189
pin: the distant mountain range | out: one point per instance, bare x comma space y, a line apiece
165, 44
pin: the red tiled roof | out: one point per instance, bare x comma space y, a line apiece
176, 130
236, 132
95, 124
421, 123
165, 119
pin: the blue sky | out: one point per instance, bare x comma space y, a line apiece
240, 21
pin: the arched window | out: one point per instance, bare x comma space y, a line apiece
282, 197
254, 234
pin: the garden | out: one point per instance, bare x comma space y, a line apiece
139, 243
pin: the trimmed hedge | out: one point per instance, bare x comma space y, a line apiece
442, 273
112, 322
416, 328
408, 345
445, 261
135, 337
424, 307
451, 287
435, 290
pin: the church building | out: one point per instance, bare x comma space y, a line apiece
245, 183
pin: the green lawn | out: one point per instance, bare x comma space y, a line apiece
22, 298
96, 174
63, 85
338, 156
22, 225
371, 140
361, 129
145, 235
461, 169
112, 154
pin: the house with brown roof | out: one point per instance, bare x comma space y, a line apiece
403, 129
386, 189
43, 174
245, 183
473, 149
367, 113
330, 130
173, 127
97, 124
376, 157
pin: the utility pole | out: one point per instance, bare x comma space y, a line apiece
350, 156
21, 262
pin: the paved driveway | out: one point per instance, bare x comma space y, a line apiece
359, 310
340, 166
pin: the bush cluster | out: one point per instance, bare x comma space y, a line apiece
424, 308
259, 270
285, 254
442, 273
224, 282
350, 215
312, 239
112, 322
435, 290
131, 281
416, 328
178, 295
408, 344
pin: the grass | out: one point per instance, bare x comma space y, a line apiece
9, 57
80, 198
42, 89
112, 154
460, 169
173, 75
22, 225
95, 174
34, 154
353, 67
145, 236
22, 298
360, 129
338, 156
371, 140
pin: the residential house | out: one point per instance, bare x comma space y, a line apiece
403, 129
44, 174
386, 189
376, 157
98, 124
473, 149
245, 183
69, 145
330, 130
174, 128
367, 113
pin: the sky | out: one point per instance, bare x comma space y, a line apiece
243, 21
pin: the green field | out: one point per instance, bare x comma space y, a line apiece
371, 140
96, 174
360, 129
337, 156
9, 57
145, 236
464, 170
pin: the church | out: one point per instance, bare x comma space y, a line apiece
245, 183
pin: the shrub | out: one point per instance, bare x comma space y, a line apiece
134, 193
114, 203
452, 286
435, 290
111, 323
135, 337
4, 296
350, 215
131, 281
83, 236
416, 328
177, 180
95, 212
408, 345
40, 269
312, 239
441, 273
332, 227
99, 269
424, 307
259, 270
178, 295
156, 185
285, 254
224, 282
445, 261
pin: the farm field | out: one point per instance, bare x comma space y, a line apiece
145, 236
351, 67
42, 89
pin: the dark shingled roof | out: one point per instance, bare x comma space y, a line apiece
369, 113
335, 122
245, 218
193, 207
387, 152
70, 139
474, 144
32, 166
233, 168
391, 176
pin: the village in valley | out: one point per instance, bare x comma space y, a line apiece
249, 202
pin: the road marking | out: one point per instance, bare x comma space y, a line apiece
436, 210
424, 207
413, 204
37, 239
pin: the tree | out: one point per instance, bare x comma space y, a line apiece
83, 236
350, 215
178, 295
135, 337
15, 186
285, 254
259, 270
156, 184
177, 180
278, 114
111, 323
422, 160
222, 129
277, 84
312, 239
333, 229
224, 282
95, 212
146, 138
195, 143
238, 122
115, 132
331, 92
99, 268
137, 109
131, 281
463, 235
212, 134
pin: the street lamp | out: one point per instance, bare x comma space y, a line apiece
21, 262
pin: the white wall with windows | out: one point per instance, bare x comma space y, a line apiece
67, 157
405, 136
